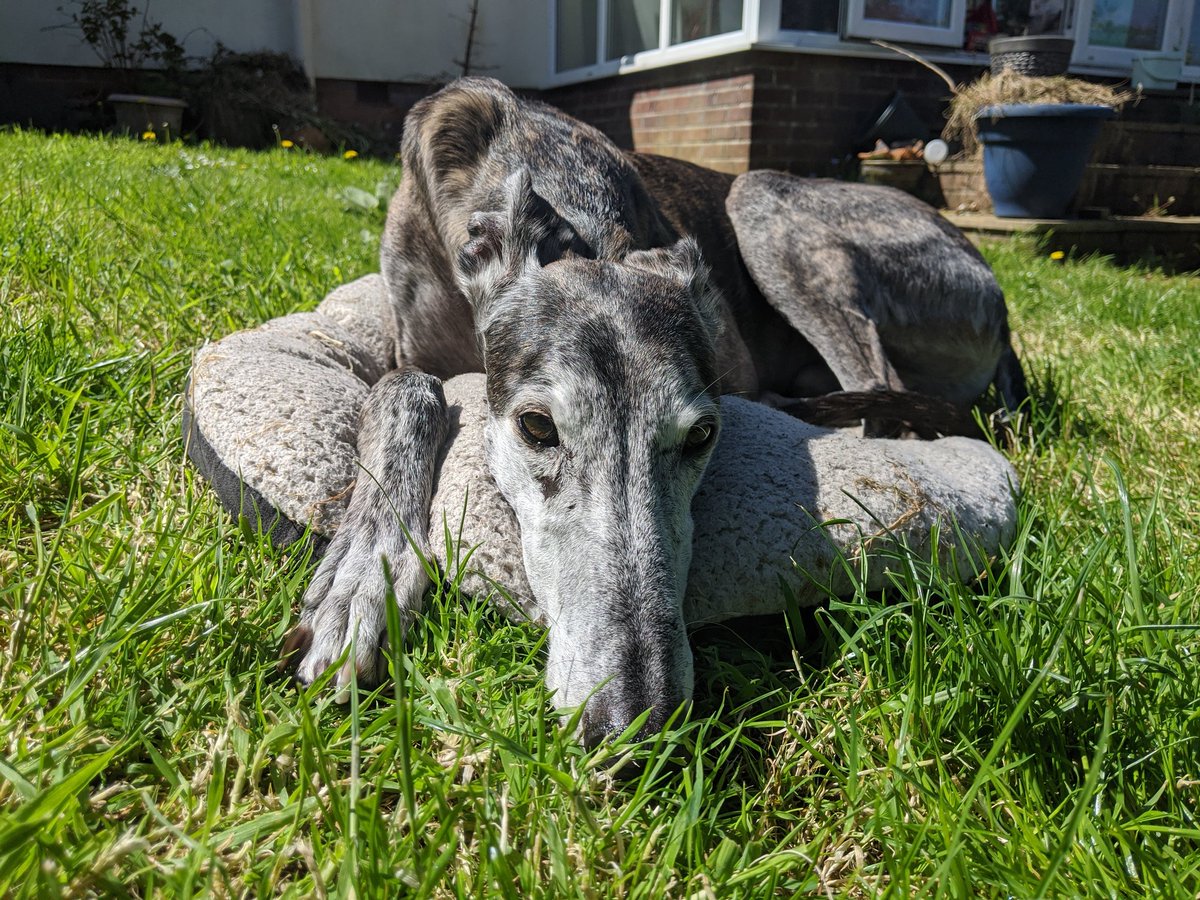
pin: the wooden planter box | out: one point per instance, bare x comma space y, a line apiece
963, 187
139, 113
1124, 190
1138, 190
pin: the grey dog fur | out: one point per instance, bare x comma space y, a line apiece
783, 504
605, 288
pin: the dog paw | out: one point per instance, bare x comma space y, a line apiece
344, 612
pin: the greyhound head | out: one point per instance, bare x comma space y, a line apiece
603, 414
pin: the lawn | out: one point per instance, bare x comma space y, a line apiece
1033, 734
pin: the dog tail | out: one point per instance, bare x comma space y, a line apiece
1010, 377
888, 410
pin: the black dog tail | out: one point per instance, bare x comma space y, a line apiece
1010, 378
889, 411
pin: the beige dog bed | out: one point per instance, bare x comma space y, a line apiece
271, 414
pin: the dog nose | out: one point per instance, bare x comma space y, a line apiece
603, 720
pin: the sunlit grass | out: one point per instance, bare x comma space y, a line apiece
1034, 734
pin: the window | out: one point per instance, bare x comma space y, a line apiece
695, 19
810, 15
1111, 33
633, 27
587, 32
917, 21
1192, 57
575, 36
1132, 24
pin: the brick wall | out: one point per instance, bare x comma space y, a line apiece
802, 113
708, 123
755, 109
699, 111
376, 107
67, 98
810, 111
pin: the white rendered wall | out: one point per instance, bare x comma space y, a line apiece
368, 40
420, 40
241, 25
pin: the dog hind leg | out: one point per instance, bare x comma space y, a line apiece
805, 271
403, 427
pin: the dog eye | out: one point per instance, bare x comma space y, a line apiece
698, 437
538, 429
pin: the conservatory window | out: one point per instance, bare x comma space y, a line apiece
916, 21
592, 31
575, 34
1192, 58
1132, 24
695, 19
810, 15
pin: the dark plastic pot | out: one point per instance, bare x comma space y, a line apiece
1034, 156
1037, 55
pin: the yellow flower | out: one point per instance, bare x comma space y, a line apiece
1058, 255
350, 154
148, 135
286, 144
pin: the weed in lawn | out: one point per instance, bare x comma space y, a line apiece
1031, 733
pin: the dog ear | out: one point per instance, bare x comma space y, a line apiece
683, 262
527, 234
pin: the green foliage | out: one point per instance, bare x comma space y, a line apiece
105, 26
1033, 733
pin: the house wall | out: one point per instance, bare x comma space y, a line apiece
366, 40
811, 111
700, 111
416, 41
802, 113
28, 33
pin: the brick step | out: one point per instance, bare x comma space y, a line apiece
1123, 190
1172, 241
1148, 144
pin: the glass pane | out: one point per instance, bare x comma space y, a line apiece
1193, 44
575, 41
1133, 24
632, 27
927, 13
692, 19
1045, 17
809, 15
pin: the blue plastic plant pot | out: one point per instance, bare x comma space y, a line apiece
1034, 155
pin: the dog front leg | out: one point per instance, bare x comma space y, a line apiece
402, 428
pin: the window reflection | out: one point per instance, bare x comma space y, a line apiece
1132, 24
695, 19
632, 27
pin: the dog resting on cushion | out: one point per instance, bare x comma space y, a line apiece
271, 416
610, 299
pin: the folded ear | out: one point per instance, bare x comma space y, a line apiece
528, 233
683, 262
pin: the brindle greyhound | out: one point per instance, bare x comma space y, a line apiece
611, 298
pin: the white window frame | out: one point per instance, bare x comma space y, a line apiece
664, 54
761, 31
858, 25
1174, 39
1190, 73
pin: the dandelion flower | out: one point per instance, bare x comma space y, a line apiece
350, 154
286, 144
1058, 255
148, 135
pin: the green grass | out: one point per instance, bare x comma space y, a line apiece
1037, 734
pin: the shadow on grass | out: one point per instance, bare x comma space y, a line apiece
1052, 414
